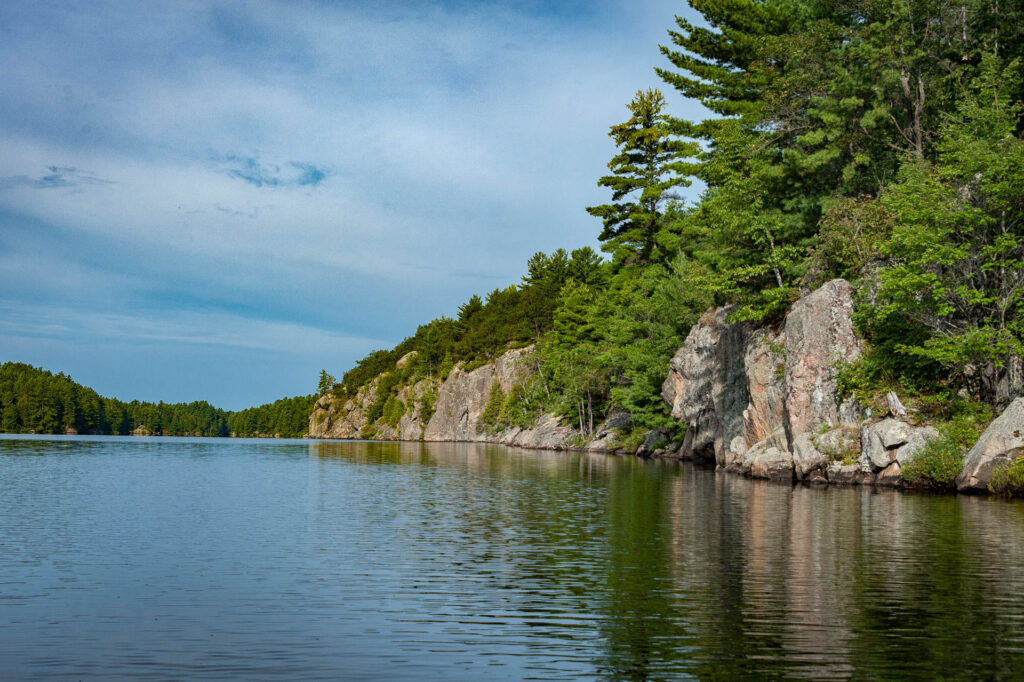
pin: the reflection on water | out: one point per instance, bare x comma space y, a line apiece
288, 559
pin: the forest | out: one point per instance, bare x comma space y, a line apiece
875, 140
33, 400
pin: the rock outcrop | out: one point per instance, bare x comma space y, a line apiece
891, 441
759, 400
818, 335
342, 419
441, 411
999, 446
735, 386
763, 401
463, 396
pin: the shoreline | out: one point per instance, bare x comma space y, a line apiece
863, 480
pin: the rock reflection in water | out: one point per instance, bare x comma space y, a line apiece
193, 558
682, 570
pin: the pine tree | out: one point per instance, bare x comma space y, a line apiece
650, 163
326, 382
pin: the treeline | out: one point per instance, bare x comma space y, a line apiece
33, 400
876, 141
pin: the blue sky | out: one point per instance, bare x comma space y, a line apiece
213, 200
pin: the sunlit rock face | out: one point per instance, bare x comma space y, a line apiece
458, 403
818, 337
463, 396
1000, 445
746, 392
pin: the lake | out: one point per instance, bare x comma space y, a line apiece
243, 559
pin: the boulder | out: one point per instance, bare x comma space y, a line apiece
807, 459
848, 474
547, 434
818, 477
654, 440
890, 476
818, 334
608, 435
999, 446
404, 360
891, 440
918, 438
839, 443
768, 459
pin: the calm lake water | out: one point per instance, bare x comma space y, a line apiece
206, 558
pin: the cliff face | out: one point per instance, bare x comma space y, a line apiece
463, 396
442, 411
763, 401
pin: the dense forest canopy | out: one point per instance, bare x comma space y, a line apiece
875, 140
33, 400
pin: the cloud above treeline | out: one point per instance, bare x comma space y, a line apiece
349, 168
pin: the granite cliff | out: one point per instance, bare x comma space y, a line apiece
756, 400
448, 410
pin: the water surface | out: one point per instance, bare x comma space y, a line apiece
215, 558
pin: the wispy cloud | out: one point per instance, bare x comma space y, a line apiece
55, 177
259, 173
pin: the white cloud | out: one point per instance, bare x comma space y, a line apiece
453, 144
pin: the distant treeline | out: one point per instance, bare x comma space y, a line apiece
33, 400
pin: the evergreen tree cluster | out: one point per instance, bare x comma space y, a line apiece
483, 328
875, 140
33, 400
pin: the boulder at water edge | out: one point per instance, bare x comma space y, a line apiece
999, 446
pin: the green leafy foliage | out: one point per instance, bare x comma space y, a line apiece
326, 382
878, 142
393, 411
1009, 480
427, 405
287, 417
940, 461
956, 253
485, 327
850, 234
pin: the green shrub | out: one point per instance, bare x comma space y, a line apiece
940, 461
385, 384
470, 365
936, 465
522, 406
490, 418
393, 411
633, 440
1008, 480
447, 365
427, 406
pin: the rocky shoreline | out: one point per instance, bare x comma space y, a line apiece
757, 400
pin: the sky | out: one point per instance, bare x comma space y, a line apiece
214, 200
